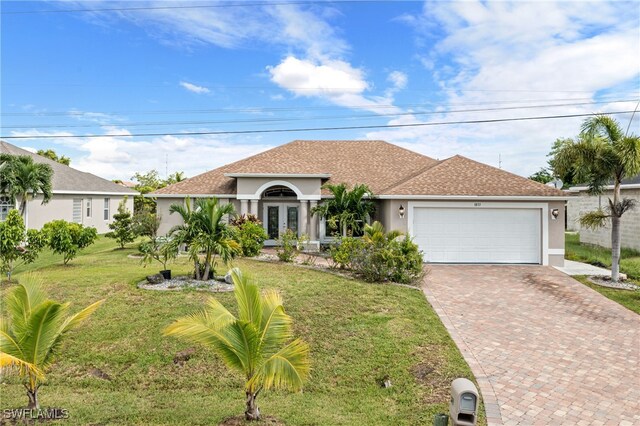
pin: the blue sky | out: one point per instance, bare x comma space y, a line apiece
286, 65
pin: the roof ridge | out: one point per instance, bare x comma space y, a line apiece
418, 173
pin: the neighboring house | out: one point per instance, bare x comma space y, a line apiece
457, 210
77, 196
583, 202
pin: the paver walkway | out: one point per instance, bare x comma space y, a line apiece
544, 348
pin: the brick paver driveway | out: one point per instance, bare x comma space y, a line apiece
544, 348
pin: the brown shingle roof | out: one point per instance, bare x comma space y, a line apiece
379, 164
459, 175
387, 169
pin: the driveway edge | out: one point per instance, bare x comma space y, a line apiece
491, 405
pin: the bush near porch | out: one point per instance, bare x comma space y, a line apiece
118, 369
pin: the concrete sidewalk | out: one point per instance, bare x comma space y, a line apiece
578, 268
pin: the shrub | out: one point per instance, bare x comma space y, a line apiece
287, 248
158, 249
18, 245
68, 238
250, 234
122, 227
379, 256
343, 251
146, 223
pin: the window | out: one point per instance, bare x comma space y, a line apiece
6, 205
77, 210
88, 207
106, 209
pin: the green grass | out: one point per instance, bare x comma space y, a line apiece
630, 299
358, 333
599, 256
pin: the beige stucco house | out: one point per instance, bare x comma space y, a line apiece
77, 196
457, 210
582, 202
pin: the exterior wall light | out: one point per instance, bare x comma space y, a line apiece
401, 211
555, 213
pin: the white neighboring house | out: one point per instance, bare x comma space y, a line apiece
583, 203
77, 196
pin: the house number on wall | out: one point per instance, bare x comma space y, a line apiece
477, 204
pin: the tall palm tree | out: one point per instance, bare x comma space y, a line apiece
602, 154
33, 330
254, 343
348, 210
205, 232
22, 179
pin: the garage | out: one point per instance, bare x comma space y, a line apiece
478, 235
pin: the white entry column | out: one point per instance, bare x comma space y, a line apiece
304, 217
254, 207
313, 232
244, 207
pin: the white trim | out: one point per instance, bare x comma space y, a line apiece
608, 187
151, 195
475, 197
280, 175
64, 191
556, 252
258, 194
489, 205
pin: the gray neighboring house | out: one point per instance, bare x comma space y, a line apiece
457, 210
77, 196
582, 202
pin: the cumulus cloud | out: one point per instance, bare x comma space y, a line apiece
194, 88
517, 53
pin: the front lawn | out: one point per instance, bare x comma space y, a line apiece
630, 299
600, 256
118, 368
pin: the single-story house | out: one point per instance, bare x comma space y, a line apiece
77, 196
582, 202
457, 210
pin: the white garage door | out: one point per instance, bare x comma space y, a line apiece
478, 235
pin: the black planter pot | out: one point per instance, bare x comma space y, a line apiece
166, 274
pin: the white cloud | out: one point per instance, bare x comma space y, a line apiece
493, 53
116, 157
194, 88
398, 79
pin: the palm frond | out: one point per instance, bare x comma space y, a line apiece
603, 126
276, 325
24, 367
22, 300
286, 369
629, 152
248, 298
75, 320
44, 327
595, 219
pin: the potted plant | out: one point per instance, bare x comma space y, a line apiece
161, 250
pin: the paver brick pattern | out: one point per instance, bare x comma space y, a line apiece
544, 348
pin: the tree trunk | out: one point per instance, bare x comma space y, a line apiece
615, 234
32, 393
207, 269
196, 270
252, 412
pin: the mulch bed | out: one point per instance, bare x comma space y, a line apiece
184, 283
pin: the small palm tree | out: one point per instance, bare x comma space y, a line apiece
205, 232
376, 234
254, 343
348, 210
23, 178
33, 331
602, 154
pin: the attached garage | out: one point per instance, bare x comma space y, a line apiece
479, 232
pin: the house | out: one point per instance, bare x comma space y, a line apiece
457, 210
77, 196
582, 202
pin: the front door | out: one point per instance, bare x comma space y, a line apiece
278, 217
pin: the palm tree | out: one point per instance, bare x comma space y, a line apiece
23, 178
33, 331
376, 234
254, 343
348, 210
204, 231
601, 154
